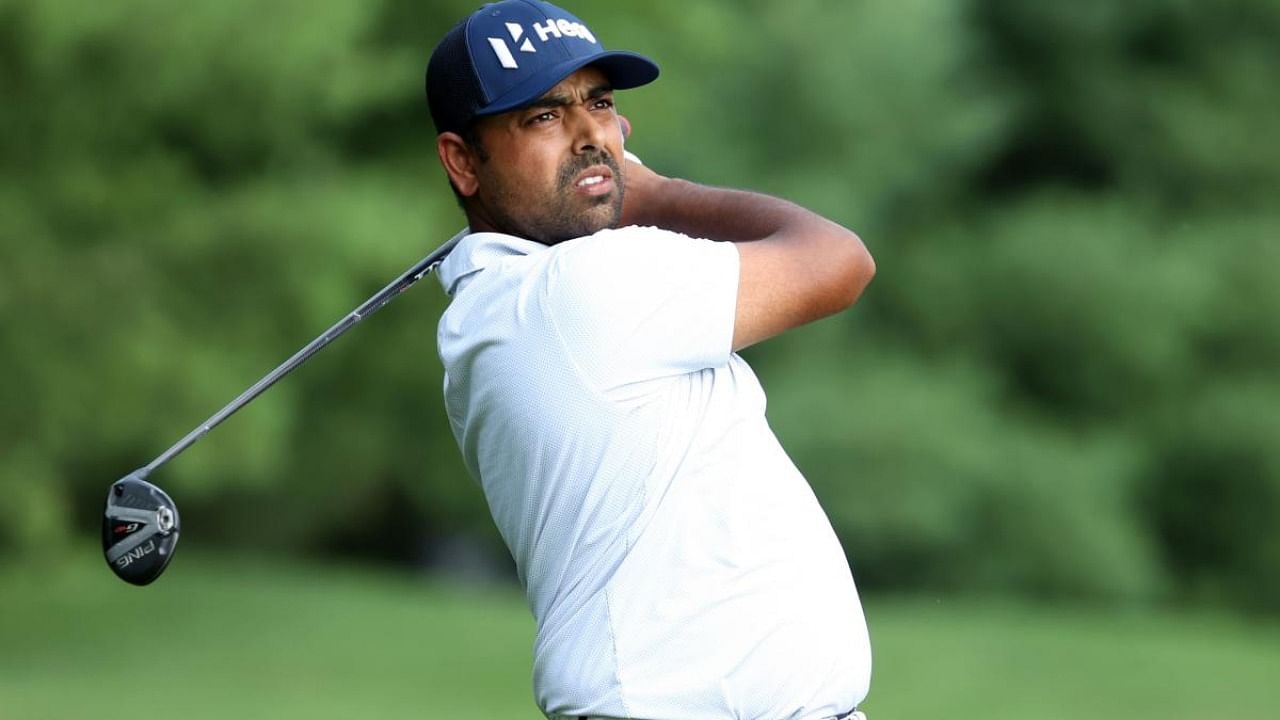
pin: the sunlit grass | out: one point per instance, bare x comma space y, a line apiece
216, 639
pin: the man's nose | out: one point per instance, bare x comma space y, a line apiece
589, 133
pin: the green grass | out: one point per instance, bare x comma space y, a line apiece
214, 639
946, 660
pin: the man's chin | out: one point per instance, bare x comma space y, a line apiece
606, 214
602, 216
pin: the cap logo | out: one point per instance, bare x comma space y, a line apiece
563, 28
553, 28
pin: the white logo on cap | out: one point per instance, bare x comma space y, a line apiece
554, 28
517, 31
503, 52
563, 28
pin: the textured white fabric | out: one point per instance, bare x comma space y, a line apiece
676, 562
855, 715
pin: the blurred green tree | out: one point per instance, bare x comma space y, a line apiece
1062, 383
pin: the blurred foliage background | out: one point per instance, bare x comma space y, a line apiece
1062, 384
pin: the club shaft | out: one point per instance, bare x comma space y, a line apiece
369, 307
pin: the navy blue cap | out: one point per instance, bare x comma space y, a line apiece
508, 54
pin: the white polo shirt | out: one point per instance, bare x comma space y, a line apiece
676, 562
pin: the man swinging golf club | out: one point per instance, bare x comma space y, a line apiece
676, 562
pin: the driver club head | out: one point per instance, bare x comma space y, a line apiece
139, 529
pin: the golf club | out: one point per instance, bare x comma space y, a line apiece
140, 522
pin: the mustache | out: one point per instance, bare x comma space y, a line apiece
582, 162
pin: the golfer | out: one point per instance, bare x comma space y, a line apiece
677, 564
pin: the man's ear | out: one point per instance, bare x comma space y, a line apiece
459, 161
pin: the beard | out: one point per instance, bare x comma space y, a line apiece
560, 214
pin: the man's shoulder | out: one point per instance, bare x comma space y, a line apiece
634, 247
477, 251
624, 236
623, 277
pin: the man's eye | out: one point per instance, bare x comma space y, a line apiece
604, 103
543, 117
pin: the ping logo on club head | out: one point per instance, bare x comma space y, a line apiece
552, 28
135, 554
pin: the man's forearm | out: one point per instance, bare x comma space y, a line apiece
709, 212
795, 266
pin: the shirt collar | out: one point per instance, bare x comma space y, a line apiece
477, 251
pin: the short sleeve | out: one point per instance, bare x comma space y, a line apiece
639, 303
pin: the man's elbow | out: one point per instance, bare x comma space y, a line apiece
857, 267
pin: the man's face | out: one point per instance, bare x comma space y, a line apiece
551, 171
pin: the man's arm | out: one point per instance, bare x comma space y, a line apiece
796, 266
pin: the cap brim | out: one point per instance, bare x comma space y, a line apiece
624, 69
